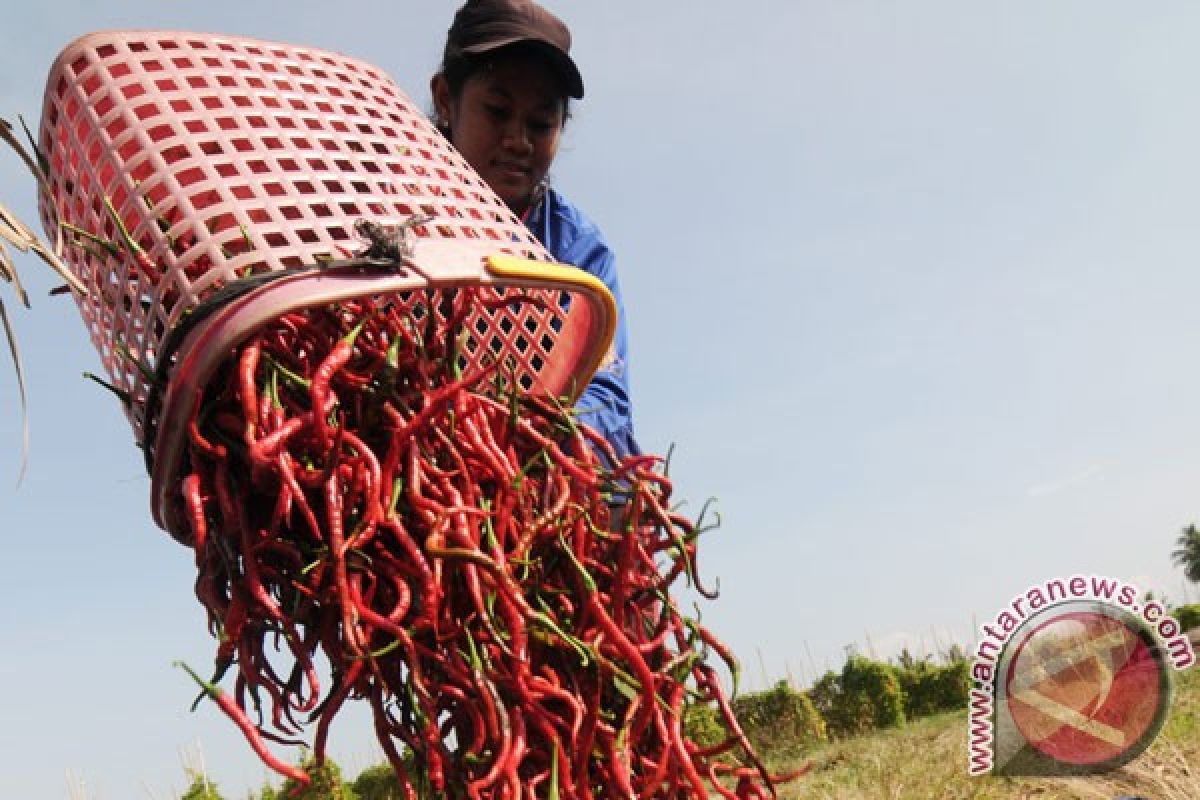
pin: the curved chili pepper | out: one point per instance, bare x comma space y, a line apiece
248, 729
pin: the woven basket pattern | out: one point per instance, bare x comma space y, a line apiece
225, 157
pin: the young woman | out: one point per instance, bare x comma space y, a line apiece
501, 98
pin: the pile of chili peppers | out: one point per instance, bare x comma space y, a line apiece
471, 561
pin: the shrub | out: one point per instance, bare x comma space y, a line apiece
929, 689
703, 725
866, 696
917, 681
953, 686
378, 783
326, 783
779, 719
872, 691
824, 695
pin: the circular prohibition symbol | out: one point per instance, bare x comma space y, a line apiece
1087, 687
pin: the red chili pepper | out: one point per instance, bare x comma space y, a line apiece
338, 357
248, 729
447, 544
247, 388
196, 515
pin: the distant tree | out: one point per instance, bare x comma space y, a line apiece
1187, 554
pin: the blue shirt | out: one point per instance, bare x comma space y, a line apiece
574, 239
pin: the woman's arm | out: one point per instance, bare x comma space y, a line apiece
605, 403
573, 239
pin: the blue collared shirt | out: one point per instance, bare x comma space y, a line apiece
574, 239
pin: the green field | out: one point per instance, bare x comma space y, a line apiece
926, 760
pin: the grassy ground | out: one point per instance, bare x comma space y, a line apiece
926, 760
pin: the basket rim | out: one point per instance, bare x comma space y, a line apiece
206, 344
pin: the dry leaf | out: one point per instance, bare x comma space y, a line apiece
9, 271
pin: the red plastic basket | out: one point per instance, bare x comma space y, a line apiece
242, 168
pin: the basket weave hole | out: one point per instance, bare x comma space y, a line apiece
127, 151
91, 83
116, 127
189, 176
103, 105
219, 223
160, 132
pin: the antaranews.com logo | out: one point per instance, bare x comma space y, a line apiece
1073, 677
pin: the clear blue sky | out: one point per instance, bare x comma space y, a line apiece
912, 287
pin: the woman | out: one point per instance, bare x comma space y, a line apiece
501, 98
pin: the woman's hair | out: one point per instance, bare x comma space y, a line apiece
458, 67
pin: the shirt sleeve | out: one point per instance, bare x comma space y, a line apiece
605, 403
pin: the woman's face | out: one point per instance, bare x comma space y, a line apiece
506, 122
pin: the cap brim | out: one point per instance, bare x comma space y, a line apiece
572, 80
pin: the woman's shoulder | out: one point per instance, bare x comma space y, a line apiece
568, 222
